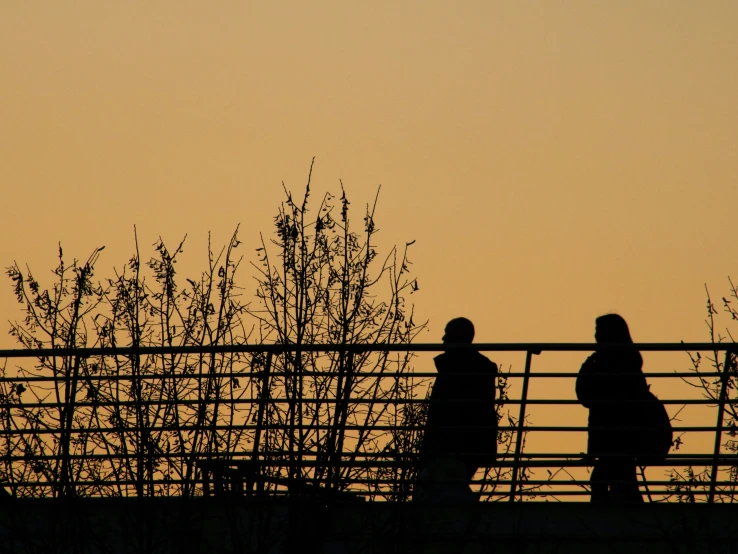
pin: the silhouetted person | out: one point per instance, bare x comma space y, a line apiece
461, 426
610, 383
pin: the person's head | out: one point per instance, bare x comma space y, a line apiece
612, 329
459, 330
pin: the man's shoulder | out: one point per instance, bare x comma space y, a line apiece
464, 359
483, 360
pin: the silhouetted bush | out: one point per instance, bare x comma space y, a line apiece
693, 484
139, 423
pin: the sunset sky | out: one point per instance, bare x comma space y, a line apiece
554, 160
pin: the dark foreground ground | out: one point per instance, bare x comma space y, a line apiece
174, 525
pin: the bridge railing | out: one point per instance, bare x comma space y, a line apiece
343, 420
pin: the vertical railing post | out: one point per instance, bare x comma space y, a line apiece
263, 401
724, 385
344, 411
521, 424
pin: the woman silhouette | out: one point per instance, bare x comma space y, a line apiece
610, 383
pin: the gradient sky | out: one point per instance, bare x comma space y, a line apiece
554, 160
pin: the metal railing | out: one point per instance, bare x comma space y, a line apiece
340, 420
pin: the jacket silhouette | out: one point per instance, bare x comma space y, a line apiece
462, 421
610, 383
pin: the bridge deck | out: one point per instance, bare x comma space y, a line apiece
163, 525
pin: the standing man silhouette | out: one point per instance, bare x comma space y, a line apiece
461, 426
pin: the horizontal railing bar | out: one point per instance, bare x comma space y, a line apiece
327, 427
529, 487
382, 485
216, 459
283, 481
553, 487
352, 401
246, 458
363, 374
557, 487
359, 348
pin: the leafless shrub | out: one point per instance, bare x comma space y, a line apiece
694, 484
320, 281
140, 423
123, 424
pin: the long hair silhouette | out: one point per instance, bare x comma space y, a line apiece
612, 328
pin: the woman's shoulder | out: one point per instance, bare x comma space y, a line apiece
621, 359
590, 365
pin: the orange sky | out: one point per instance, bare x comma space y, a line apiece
554, 160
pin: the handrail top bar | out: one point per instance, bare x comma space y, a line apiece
533, 347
